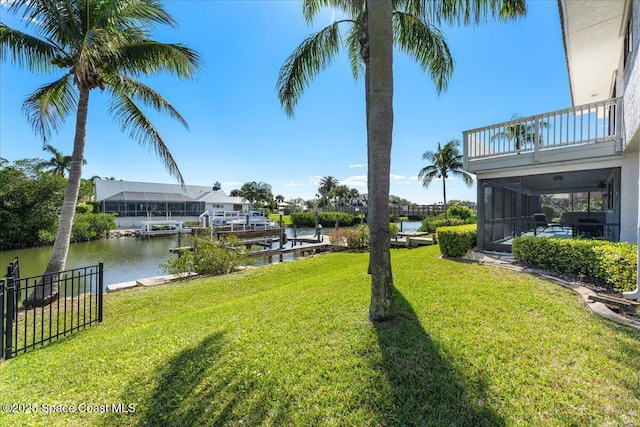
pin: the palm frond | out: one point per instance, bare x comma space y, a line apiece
129, 14
151, 57
428, 174
53, 20
138, 91
426, 44
26, 50
310, 8
313, 55
466, 12
353, 46
140, 128
47, 107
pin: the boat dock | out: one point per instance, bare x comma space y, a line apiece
412, 239
160, 228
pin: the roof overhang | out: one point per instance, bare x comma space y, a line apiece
593, 36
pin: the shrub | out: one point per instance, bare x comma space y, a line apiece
611, 263
393, 229
82, 208
208, 257
356, 238
460, 211
618, 265
457, 240
326, 219
87, 226
102, 223
432, 223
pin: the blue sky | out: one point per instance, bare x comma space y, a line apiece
239, 133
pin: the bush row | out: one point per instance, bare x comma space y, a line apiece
326, 219
611, 263
456, 241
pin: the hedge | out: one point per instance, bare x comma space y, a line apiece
457, 240
326, 219
612, 263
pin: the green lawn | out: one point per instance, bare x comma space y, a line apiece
290, 344
286, 219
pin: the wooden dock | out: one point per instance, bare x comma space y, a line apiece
412, 239
306, 245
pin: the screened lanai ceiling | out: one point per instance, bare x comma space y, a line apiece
566, 182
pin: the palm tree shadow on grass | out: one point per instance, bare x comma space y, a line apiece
426, 389
197, 387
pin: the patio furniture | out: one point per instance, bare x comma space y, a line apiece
588, 227
541, 221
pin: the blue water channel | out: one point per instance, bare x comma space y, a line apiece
125, 258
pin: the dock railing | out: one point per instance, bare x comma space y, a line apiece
584, 124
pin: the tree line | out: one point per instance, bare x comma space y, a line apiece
31, 193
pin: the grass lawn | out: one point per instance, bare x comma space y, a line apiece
276, 218
291, 344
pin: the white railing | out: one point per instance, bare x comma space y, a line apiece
585, 124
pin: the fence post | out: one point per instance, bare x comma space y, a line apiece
100, 289
10, 315
2, 284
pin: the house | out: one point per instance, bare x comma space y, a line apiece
587, 151
135, 202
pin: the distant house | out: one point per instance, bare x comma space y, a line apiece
135, 202
589, 149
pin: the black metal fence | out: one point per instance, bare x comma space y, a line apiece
24, 328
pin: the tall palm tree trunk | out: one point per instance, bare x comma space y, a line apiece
48, 292
444, 195
379, 138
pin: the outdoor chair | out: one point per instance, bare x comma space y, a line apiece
541, 221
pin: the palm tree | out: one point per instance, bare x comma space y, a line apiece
256, 192
327, 183
444, 163
405, 23
522, 132
94, 44
340, 193
353, 194
59, 163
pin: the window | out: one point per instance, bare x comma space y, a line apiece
628, 40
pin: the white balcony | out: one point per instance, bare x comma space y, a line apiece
588, 131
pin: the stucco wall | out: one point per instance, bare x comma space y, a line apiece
629, 198
632, 83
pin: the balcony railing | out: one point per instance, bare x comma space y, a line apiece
585, 124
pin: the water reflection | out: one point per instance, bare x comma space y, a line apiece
126, 258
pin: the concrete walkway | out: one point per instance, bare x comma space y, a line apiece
507, 261
149, 281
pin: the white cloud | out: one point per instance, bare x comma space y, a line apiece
357, 165
355, 181
294, 184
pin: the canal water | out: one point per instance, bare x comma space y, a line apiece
125, 258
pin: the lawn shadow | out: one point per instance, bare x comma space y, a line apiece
426, 389
199, 386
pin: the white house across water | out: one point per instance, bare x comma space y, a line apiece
138, 202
